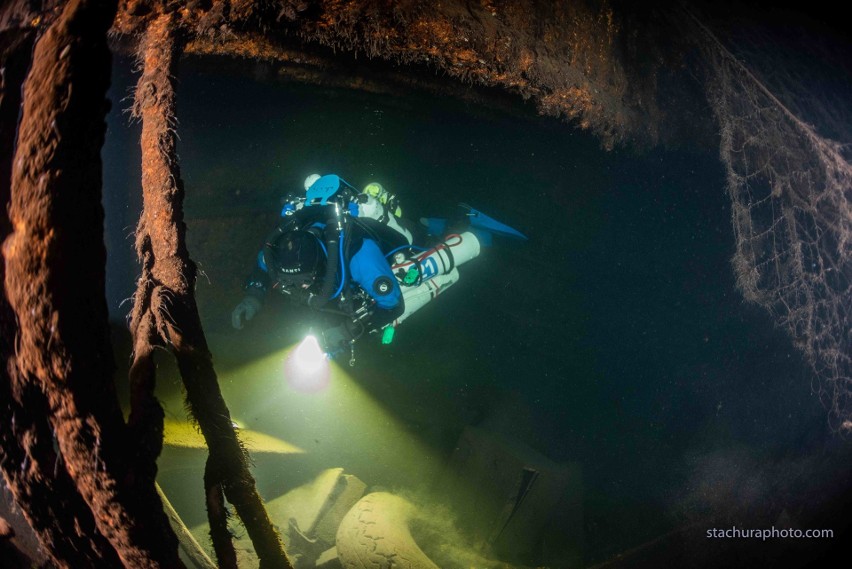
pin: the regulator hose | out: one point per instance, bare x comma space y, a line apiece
332, 237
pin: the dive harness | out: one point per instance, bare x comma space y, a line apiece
328, 219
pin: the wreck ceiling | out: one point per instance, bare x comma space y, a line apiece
622, 70
598, 65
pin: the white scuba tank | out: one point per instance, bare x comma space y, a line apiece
455, 250
416, 297
437, 270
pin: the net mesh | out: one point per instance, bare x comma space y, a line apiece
791, 196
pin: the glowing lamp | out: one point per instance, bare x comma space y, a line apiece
306, 367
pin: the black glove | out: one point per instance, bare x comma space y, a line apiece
245, 311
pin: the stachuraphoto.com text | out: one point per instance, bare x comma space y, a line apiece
768, 533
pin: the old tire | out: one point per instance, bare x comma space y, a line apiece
374, 534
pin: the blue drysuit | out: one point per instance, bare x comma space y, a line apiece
369, 268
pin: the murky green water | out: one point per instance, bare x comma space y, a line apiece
613, 340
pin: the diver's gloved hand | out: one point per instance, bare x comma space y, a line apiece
337, 339
246, 309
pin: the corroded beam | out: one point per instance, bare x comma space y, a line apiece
165, 311
54, 282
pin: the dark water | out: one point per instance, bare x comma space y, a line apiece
614, 339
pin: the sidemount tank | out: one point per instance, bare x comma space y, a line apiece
455, 250
438, 270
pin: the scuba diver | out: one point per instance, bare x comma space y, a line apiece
351, 257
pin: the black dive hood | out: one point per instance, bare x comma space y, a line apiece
329, 214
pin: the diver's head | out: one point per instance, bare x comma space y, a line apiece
379, 192
296, 258
309, 181
376, 190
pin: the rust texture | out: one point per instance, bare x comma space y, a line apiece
588, 62
165, 311
93, 502
26, 449
60, 376
220, 535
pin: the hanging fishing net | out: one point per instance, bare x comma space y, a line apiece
791, 195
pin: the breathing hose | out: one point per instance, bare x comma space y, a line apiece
333, 236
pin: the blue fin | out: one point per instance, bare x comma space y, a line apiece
323, 189
479, 220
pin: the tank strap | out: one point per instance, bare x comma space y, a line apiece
450, 256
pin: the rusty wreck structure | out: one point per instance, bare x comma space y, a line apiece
82, 474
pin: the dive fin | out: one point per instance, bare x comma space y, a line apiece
323, 189
479, 220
